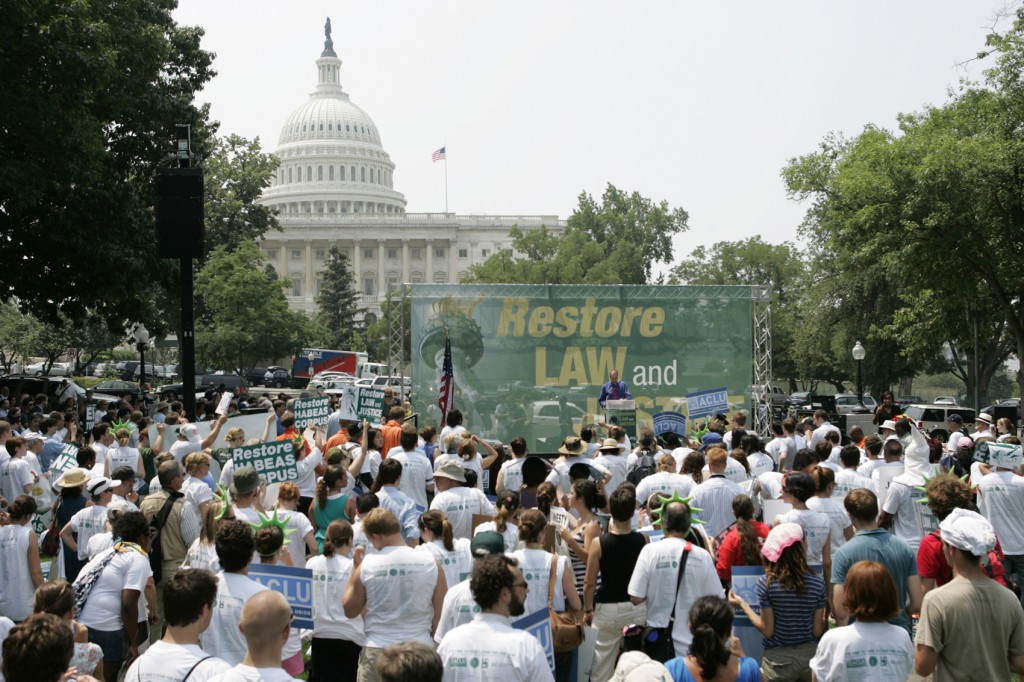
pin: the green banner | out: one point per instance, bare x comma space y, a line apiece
530, 360
274, 461
312, 411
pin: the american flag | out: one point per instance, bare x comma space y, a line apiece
438, 155
446, 397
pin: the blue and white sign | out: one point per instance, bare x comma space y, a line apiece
296, 584
538, 624
653, 534
67, 459
669, 422
744, 584
705, 403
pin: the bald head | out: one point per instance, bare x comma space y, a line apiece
265, 618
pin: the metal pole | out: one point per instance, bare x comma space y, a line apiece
187, 343
860, 386
977, 383
142, 364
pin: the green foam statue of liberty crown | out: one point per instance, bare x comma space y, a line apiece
126, 424
675, 498
267, 521
928, 479
221, 497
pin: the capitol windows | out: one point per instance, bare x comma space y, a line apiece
319, 172
463, 253
353, 173
439, 252
367, 253
289, 175
362, 174
369, 285
346, 128
485, 252
271, 254
296, 285
417, 253
341, 173
330, 127
296, 254
440, 278
392, 254
321, 254
330, 172
321, 127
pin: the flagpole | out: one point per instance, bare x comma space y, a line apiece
446, 179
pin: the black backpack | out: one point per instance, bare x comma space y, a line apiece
645, 466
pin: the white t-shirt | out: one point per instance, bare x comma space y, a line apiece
474, 464
655, 577
559, 476
1001, 501
295, 541
196, 491
912, 520
458, 608
616, 464
819, 433
100, 542
510, 534
760, 463
817, 528
222, 638
848, 480
663, 482
867, 467
101, 458
307, 472
456, 564
679, 454
246, 673
872, 652
734, 471
6, 624
445, 432
535, 565
123, 457
86, 523
126, 571
777, 447
715, 496
459, 504
14, 476
330, 576
180, 449
489, 648
202, 555
16, 588
399, 584
512, 474
165, 662
839, 520
771, 485
416, 475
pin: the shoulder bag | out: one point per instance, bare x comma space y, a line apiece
566, 627
657, 642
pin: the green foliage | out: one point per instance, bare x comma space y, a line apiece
18, 333
235, 174
338, 302
248, 316
615, 241
91, 92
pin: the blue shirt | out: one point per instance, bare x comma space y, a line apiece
620, 388
793, 611
885, 548
749, 670
50, 452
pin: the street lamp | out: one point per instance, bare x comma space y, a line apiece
141, 339
858, 355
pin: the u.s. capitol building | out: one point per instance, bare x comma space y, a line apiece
335, 187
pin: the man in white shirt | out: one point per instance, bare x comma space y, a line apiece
822, 426
189, 439
796, 440
457, 501
903, 509
983, 426
266, 621
459, 607
15, 476
189, 596
955, 426
235, 545
401, 589
656, 576
417, 474
1001, 501
715, 495
502, 652
398, 503
510, 476
611, 459
848, 478
574, 451
778, 448
873, 451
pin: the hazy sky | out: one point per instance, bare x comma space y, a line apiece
697, 103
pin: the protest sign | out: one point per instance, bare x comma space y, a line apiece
67, 459
653, 534
349, 403
312, 411
370, 405
772, 508
225, 401
90, 416
559, 516
669, 422
744, 584
296, 584
705, 403
274, 461
538, 624
1005, 455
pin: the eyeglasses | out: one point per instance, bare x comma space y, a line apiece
524, 585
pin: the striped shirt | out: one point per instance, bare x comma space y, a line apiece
793, 611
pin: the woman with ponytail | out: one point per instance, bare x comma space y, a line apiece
584, 498
337, 640
742, 544
507, 505
453, 554
331, 503
124, 455
714, 653
301, 539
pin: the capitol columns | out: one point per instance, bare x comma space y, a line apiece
428, 276
453, 264
405, 261
382, 276
357, 265
309, 270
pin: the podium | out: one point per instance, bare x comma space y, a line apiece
622, 413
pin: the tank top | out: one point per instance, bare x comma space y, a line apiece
618, 557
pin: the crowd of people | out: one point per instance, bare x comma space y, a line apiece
864, 556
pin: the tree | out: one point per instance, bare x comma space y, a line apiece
91, 337
754, 262
91, 93
248, 316
235, 174
338, 301
18, 333
616, 241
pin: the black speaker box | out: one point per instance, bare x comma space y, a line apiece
179, 212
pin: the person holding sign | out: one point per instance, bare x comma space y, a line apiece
401, 590
502, 652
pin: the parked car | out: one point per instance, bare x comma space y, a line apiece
381, 381
932, 418
255, 375
277, 378
166, 372
231, 382
946, 400
118, 387
904, 400
799, 400
846, 403
775, 395
335, 379
58, 369
545, 421
51, 386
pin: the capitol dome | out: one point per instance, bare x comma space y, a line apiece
332, 160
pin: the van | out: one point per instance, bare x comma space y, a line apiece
932, 418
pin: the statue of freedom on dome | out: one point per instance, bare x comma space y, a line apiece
327, 28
